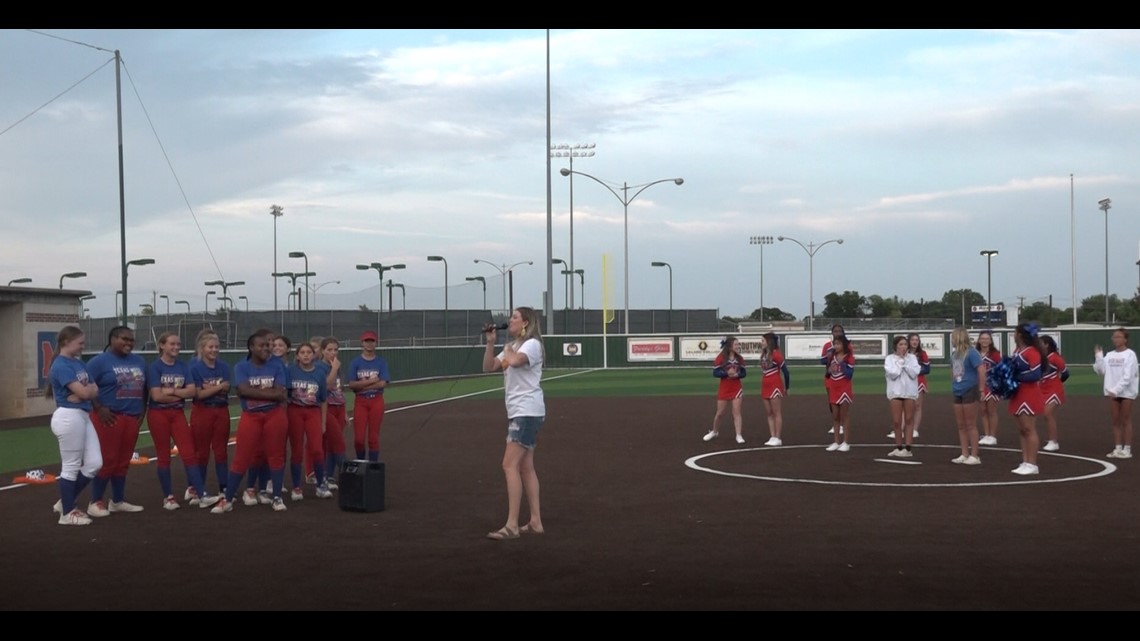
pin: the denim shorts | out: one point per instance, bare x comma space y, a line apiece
524, 430
972, 395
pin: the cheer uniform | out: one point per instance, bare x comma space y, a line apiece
772, 385
840, 370
1052, 382
122, 389
730, 387
79, 453
923, 369
167, 421
210, 418
368, 409
990, 360
1026, 369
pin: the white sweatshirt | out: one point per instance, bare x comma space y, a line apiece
1120, 372
902, 375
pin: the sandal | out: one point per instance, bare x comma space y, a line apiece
503, 534
527, 529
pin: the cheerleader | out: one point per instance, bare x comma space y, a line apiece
989, 407
836, 331
1121, 379
902, 371
773, 386
729, 368
1028, 402
79, 454
840, 369
1052, 386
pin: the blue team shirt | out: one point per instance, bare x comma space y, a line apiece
121, 381
64, 371
159, 375
336, 390
265, 376
964, 372
307, 389
362, 369
202, 375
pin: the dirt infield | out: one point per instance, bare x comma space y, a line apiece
629, 525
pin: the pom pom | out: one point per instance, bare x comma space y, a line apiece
1001, 379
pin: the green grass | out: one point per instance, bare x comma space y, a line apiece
32, 447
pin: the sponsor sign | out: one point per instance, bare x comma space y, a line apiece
811, 347
571, 349
705, 348
649, 349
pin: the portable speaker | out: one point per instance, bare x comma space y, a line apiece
361, 486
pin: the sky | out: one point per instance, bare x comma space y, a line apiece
917, 148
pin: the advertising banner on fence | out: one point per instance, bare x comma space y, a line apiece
705, 348
811, 347
649, 349
571, 349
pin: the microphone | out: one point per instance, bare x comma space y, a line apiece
487, 328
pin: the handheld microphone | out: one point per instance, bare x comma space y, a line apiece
488, 328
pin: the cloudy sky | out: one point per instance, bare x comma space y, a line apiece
917, 148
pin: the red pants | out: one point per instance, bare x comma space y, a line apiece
259, 432
334, 436
116, 442
166, 424
368, 414
305, 436
211, 429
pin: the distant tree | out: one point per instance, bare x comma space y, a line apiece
849, 304
771, 314
146, 310
884, 307
364, 308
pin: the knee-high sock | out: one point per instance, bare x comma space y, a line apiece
118, 489
67, 494
164, 481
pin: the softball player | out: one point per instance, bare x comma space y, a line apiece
117, 413
210, 411
79, 454
367, 377
336, 421
307, 416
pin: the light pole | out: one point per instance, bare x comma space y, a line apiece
289, 299
209, 293
625, 199
582, 299
989, 254
306, 257
1105, 205
167, 299
380, 269
658, 263
761, 240
118, 294
277, 212
317, 288
436, 259
84, 299
565, 288
403, 294
225, 306
811, 249
126, 267
570, 152
483, 281
71, 275
505, 271
184, 302
246, 299
16, 281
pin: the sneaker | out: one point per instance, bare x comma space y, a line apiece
170, 503
740, 439
190, 495
297, 494
1124, 454
323, 492
843, 447
222, 506
331, 484
961, 460
1052, 446
249, 497
832, 430
278, 504
987, 440
973, 460
58, 507
904, 453
891, 434
123, 506
208, 500
74, 517
1025, 469
98, 509
774, 442
914, 434
264, 498
311, 479
894, 452
833, 447
711, 435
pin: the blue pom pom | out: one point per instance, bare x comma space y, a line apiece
1001, 378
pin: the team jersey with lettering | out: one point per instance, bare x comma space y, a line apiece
203, 375
176, 375
265, 376
363, 369
121, 380
306, 389
64, 371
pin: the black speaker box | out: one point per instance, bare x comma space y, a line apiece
361, 486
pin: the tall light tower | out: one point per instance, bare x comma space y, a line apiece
989, 254
761, 240
1105, 205
276, 211
811, 249
570, 152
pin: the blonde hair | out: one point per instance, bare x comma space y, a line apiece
960, 339
531, 328
204, 337
65, 336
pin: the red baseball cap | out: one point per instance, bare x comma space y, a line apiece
368, 336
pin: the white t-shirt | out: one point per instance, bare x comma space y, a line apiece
1119, 370
523, 384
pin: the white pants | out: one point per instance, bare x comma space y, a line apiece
78, 443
